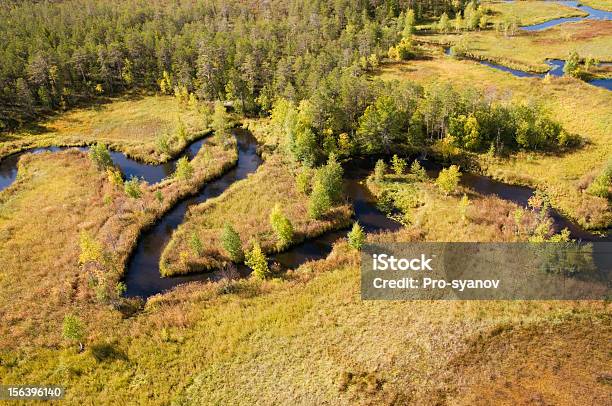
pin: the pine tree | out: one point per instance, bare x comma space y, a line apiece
220, 122
282, 226
73, 330
330, 178
398, 164
409, 21
380, 170
320, 202
230, 240
418, 171
356, 237
257, 261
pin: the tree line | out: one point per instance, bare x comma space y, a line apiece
59, 54
349, 114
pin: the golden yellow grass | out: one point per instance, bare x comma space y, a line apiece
579, 107
42, 214
438, 217
130, 125
246, 205
530, 12
310, 339
528, 50
306, 338
598, 4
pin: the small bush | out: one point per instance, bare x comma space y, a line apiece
257, 261
448, 179
184, 169
132, 188
115, 177
282, 226
196, 244
100, 156
73, 330
380, 170
602, 184
303, 181
418, 171
398, 165
320, 202
230, 240
356, 237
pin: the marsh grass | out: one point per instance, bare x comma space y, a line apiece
246, 205
528, 50
304, 338
530, 12
40, 248
598, 4
430, 215
133, 127
581, 109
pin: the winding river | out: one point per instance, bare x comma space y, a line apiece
593, 14
556, 69
142, 276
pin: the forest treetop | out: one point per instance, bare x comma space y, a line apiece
59, 54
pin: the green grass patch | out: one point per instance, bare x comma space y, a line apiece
598, 4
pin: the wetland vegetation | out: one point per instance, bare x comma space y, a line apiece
185, 187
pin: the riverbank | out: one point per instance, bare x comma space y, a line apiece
246, 205
529, 51
561, 176
132, 126
79, 200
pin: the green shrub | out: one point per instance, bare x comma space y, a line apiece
418, 171
196, 244
132, 188
282, 226
184, 169
303, 181
379, 170
448, 179
257, 261
602, 184
398, 165
230, 240
329, 177
73, 330
319, 202
100, 156
356, 237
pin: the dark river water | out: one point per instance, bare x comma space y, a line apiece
143, 277
129, 167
